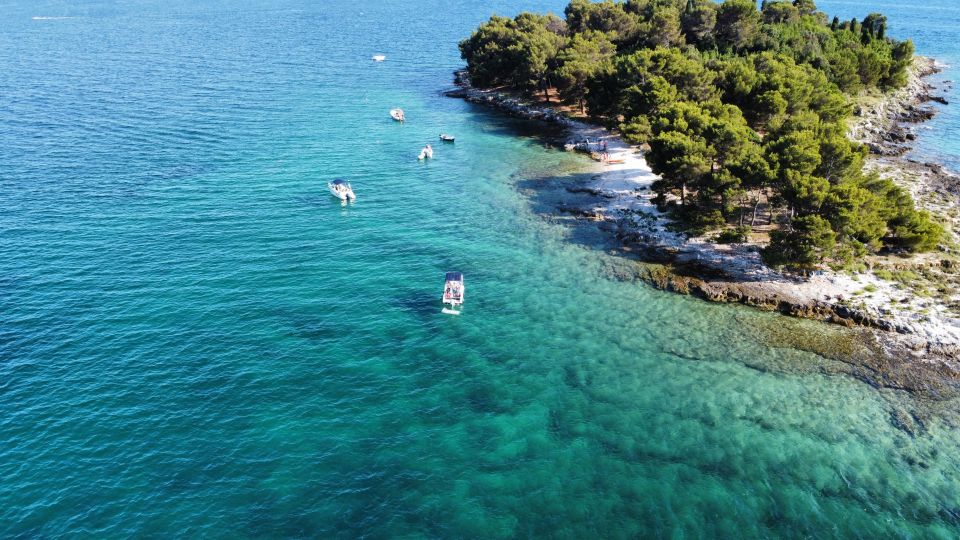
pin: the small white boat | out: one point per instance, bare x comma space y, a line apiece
453, 291
446, 137
341, 190
397, 114
379, 58
426, 152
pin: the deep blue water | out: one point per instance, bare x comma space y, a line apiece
197, 340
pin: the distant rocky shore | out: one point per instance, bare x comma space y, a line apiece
886, 125
913, 348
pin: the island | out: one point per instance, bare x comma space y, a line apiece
746, 154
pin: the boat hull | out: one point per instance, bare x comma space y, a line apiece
343, 195
454, 292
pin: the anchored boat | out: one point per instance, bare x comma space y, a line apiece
379, 58
426, 152
341, 190
397, 114
445, 137
453, 290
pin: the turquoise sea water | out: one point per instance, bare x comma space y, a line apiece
197, 340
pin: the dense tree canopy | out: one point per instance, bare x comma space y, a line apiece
736, 103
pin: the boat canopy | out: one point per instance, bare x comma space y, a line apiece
454, 276
338, 182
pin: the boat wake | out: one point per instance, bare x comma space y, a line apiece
41, 18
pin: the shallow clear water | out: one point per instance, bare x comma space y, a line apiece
196, 339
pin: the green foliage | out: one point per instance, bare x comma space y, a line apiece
905, 276
736, 235
520, 52
854, 213
915, 231
737, 24
805, 7
804, 245
735, 103
780, 12
607, 17
579, 61
679, 159
884, 274
665, 29
698, 22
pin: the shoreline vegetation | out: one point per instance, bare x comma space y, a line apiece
839, 163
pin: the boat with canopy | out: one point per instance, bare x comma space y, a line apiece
453, 291
341, 190
426, 152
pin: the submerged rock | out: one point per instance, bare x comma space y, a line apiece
906, 422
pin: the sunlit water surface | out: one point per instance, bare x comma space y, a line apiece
196, 339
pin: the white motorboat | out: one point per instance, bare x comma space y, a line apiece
453, 291
446, 137
379, 58
341, 190
397, 114
426, 152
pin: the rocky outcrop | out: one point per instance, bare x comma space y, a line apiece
589, 191
885, 359
685, 280
886, 125
504, 102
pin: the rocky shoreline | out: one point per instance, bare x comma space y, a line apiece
886, 124
910, 351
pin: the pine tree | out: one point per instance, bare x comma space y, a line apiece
854, 25
882, 31
835, 24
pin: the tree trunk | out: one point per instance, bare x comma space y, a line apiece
756, 206
583, 109
770, 209
683, 194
